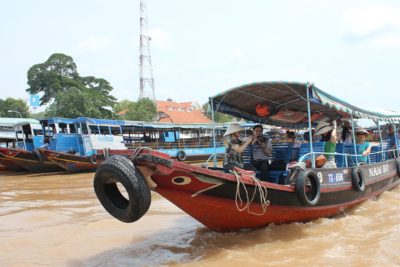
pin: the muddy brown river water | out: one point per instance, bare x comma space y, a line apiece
56, 220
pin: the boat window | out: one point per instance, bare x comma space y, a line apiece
62, 128
104, 130
78, 128
72, 128
52, 127
27, 132
37, 132
85, 129
115, 130
93, 129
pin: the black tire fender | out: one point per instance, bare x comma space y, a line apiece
308, 198
118, 169
181, 155
357, 180
38, 155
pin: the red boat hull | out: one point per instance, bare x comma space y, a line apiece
76, 163
9, 165
29, 161
227, 202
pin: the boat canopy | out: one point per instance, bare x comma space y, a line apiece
285, 103
173, 126
11, 122
99, 121
57, 120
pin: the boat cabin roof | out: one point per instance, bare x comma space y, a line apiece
289, 98
173, 126
12, 122
99, 121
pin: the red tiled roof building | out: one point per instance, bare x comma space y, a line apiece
185, 112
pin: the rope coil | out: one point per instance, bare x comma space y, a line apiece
258, 188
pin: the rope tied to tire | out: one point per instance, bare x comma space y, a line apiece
245, 205
138, 150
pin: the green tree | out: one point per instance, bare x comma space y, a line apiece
19, 106
58, 73
218, 116
78, 103
122, 107
143, 110
69, 94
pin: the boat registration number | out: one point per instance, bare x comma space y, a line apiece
336, 177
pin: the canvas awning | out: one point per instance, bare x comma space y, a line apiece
289, 98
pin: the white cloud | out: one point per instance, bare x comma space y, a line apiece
160, 38
362, 21
199, 66
94, 44
237, 53
299, 74
390, 41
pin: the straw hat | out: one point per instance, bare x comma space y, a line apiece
361, 130
323, 127
233, 128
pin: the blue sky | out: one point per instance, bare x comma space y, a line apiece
350, 49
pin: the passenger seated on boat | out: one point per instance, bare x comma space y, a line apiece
234, 149
392, 142
307, 136
262, 151
291, 138
328, 132
347, 137
46, 143
363, 146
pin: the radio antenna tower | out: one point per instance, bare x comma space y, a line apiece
145, 67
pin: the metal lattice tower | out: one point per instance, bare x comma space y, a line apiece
145, 68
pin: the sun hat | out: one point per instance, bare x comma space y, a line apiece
323, 127
361, 130
233, 128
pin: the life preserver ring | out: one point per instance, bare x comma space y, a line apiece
357, 180
181, 155
398, 166
308, 197
120, 170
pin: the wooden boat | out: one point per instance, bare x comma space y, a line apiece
238, 200
8, 139
184, 142
29, 137
84, 144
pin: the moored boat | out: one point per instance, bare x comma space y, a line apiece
86, 146
237, 200
29, 137
184, 142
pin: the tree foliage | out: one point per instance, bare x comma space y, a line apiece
16, 105
69, 94
142, 110
218, 116
122, 107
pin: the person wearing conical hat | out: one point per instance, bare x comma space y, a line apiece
363, 146
235, 147
328, 132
